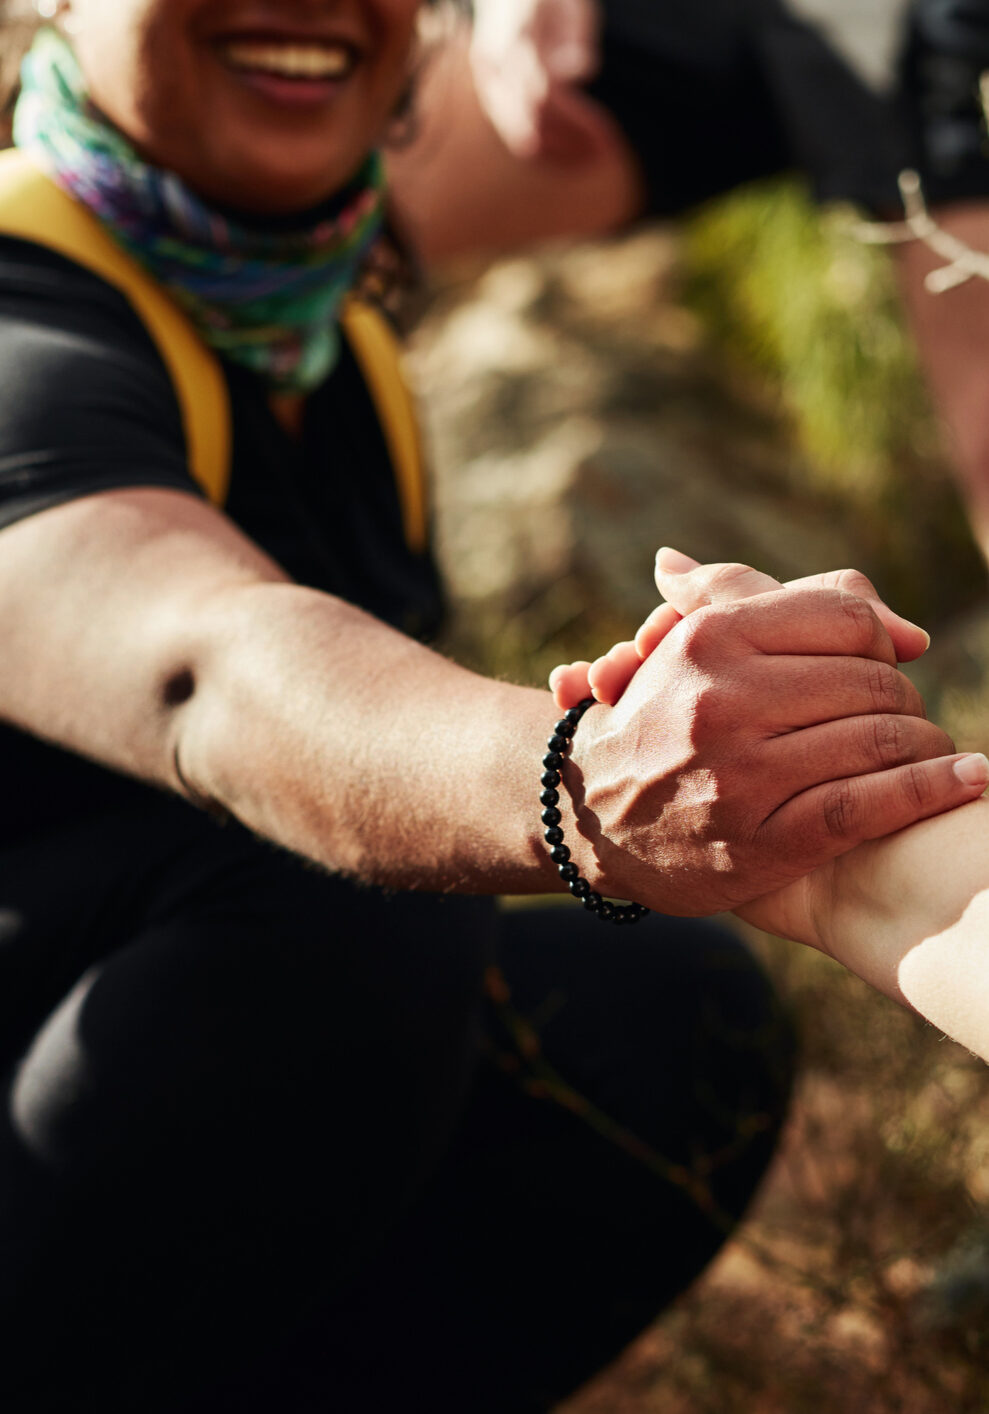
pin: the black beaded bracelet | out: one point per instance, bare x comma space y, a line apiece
559, 745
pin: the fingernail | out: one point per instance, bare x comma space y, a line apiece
672, 562
972, 770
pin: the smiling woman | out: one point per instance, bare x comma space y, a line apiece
250, 1131
261, 106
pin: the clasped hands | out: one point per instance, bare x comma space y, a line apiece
752, 734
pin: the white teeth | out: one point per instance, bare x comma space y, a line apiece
291, 61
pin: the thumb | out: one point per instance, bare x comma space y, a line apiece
688, 585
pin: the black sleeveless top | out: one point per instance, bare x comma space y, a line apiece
86, 405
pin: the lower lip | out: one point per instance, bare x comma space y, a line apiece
291, 93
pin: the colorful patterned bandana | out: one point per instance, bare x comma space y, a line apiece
266, 300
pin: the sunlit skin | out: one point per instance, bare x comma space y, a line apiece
711, 785
173, 76
608, 676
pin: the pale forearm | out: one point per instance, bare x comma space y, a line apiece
909, 914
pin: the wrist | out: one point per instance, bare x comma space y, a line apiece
559, 746
581, 825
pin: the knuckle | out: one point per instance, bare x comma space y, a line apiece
841, 810
697, 632
706, 717
727, 577
889, 742
857, 612
886, 687
918, 788
855, 582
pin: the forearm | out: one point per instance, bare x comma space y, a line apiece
910, 915
325, 730
143, 630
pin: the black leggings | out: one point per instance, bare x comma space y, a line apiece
267, 1146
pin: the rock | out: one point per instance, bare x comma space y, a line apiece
576, 423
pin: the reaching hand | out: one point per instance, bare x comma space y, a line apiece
529, 58
688, 585
764, 735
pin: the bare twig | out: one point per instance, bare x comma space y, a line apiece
963, 263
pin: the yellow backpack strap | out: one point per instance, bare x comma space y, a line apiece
378, 355
33, 208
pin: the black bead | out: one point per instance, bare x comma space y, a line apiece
553, 835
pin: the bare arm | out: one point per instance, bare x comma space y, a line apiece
952, 333
458, 189
142, 629
910, 915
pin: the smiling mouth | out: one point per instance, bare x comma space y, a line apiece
290, 59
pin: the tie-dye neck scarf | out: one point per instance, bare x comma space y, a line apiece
266, 300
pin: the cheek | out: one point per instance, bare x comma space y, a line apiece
131, 52
107, 61
395, 23
399, 13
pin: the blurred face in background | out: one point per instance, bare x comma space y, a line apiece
261, 105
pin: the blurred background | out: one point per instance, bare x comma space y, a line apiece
742, 388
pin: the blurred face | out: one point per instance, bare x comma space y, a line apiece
263, 105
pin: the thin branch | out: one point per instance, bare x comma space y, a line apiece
963, 263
